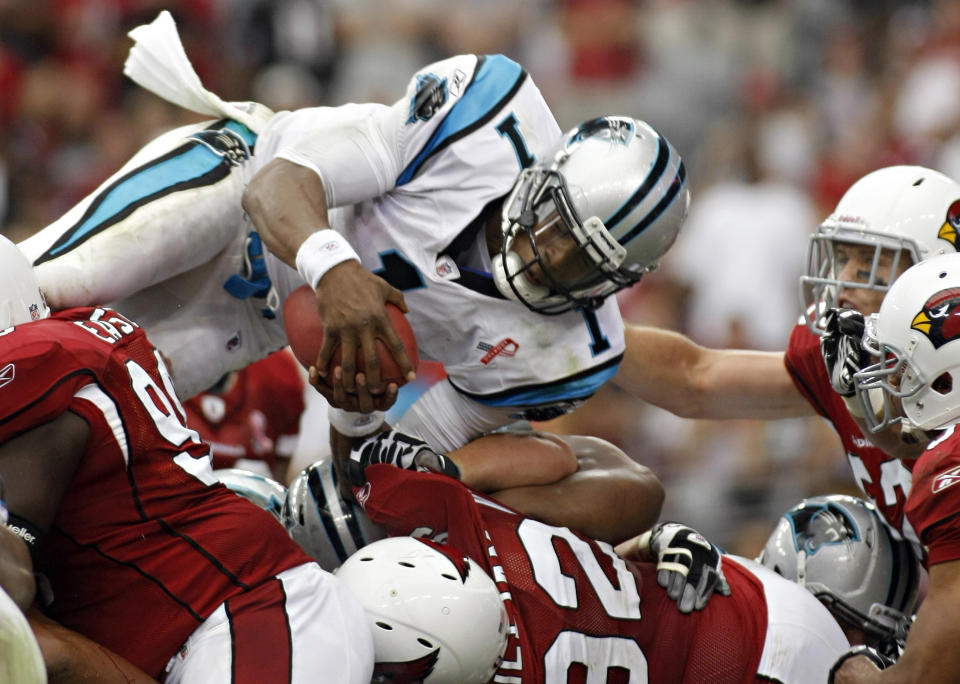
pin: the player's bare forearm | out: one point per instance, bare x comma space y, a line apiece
286, 203
506, 460
610, 497
669, 370
71, 658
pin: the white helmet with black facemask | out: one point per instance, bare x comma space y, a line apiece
592, 217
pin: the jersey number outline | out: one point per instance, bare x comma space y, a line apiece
571, 648
168, 417
509, 128
894, 476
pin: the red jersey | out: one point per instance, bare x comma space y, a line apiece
145, 543
884, 480
574, 605
934, 502
257, 417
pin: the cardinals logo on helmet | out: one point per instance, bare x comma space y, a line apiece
951, 225
940, 318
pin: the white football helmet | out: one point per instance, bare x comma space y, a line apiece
266, 493
896, 210
598, 213
21, 300
840, 549
325, 525
915, 335
436, 616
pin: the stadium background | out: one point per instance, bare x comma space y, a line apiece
776, 105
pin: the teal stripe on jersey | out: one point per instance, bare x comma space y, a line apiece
580, 387
495, 79
153, 180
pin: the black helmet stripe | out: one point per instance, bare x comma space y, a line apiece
659, 164
666, 201
320, 500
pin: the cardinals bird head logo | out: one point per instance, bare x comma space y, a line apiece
940, 318
951, 225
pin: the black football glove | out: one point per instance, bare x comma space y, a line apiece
881, 661
841, 347
688, 566
400, 450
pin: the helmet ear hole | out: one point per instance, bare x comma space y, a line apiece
943, 384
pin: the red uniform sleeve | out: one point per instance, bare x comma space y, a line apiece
933, 506
423, 504
805, 366
43, 367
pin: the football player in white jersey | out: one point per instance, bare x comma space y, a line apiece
500, 236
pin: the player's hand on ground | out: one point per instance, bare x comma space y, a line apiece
688, 566
858, 662
841, 347
400, 450
351, 302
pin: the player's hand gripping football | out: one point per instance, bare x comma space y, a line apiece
400, 450
688, 566
842, 348
351, 303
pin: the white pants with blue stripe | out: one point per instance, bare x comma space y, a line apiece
158, 240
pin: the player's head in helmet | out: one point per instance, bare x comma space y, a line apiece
436, 616
914, 340
840, 549
592, 217
20, 298
888, 220
324, 524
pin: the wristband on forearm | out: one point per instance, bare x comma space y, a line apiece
353, 423
322, 251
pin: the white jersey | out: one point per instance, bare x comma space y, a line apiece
406, 184
431, 163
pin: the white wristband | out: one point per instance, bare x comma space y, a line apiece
354, 424
320, 252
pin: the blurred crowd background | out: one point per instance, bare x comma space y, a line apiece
776, 105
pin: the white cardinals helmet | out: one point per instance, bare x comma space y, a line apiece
436, 616
916, 336
899, 211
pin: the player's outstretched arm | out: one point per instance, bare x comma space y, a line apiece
610, 497
671, 371
287, 204
930, 655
